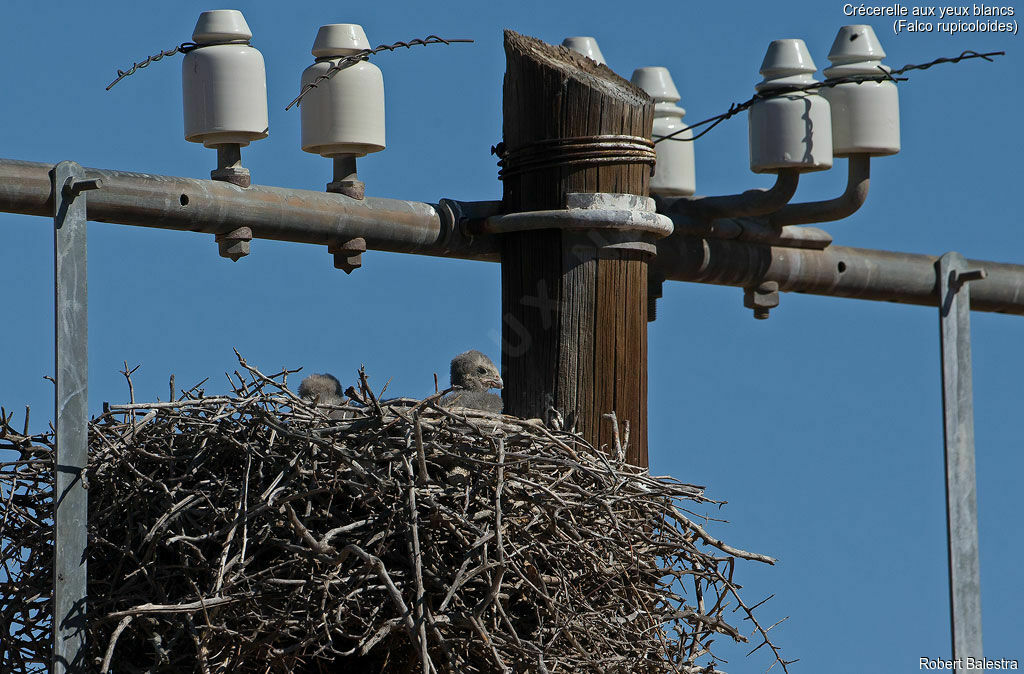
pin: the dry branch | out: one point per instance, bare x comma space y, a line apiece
253, 533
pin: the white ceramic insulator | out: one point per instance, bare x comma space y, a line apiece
674, 173
865, 116
224, 85
343, 115
586, 46
792, 130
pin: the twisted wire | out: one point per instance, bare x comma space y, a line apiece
186, 47
363, 54
884, 75
183, 48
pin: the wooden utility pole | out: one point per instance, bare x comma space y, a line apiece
574, 303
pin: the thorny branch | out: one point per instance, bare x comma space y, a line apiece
259, 532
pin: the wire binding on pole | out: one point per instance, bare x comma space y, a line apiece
577, 151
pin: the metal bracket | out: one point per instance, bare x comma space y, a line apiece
346, 180
958, 427
858, 181
229, 166
779, 227
71, 402
625, 221
746, 204
791, 236
759, 230
356, 189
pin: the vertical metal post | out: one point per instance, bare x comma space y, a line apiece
71, 402
958, 417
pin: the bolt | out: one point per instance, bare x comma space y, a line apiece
355, 189
235, 175
234, 244
346, 179
654, 292
229, 166
762, 298
348, 255
72, 187
972, 275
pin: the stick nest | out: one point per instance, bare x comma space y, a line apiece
255, 533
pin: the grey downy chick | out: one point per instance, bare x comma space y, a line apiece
472, 374
325, 389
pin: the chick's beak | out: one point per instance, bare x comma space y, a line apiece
493, 382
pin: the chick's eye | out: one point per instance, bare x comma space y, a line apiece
482, 370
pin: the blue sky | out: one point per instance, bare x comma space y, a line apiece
821, 426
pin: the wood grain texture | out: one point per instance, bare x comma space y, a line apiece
574, 322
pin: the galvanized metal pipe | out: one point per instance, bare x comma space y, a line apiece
744, 205
753, 230
406, 226
71, 406
836, 271
216, 207
957, 281
858, 180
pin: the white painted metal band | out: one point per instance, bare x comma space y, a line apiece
621, 212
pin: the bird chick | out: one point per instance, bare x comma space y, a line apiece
322, 386
472, 374
324, 389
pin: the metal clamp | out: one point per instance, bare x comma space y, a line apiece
760, 229
461, 222
626, 221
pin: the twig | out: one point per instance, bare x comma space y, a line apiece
247, 532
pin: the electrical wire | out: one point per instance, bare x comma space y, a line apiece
884, 75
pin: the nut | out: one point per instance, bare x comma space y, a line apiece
348, 255
762, 298
234, 244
